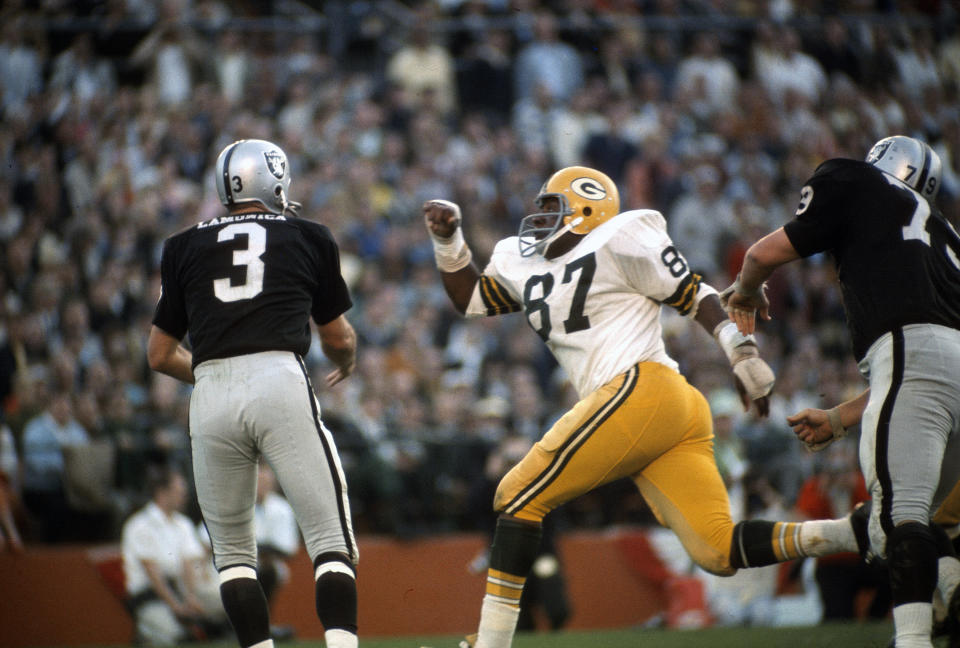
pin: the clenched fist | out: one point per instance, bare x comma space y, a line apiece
442, 217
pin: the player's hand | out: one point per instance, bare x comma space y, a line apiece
339, 374
743, 309
812, 426
190, 608
762, 402
442, 217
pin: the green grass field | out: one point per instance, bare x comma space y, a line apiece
833, 636
860, 635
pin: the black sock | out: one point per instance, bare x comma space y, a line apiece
515, 546
752, 544
246, 606
336, 593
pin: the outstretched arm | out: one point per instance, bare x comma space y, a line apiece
746, 298
819, 428
453, 256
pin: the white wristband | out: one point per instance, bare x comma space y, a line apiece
730, 339
451, 253
833, 414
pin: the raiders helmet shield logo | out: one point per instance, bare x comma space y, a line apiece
588, 188
878, 151
276, 162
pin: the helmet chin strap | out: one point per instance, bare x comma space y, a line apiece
547, 242
289, 205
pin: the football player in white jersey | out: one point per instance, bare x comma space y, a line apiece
591, 282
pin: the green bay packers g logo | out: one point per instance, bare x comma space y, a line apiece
588, 188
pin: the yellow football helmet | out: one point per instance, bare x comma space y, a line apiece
587, 198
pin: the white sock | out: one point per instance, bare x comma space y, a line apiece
948, 577
267, 643
913, 622
824, 537
498, 622
338, 638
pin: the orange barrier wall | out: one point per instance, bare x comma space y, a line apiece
57, 596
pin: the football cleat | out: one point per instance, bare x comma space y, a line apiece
467, 642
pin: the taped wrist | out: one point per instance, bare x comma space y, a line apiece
833, 414
451, 254
735, 344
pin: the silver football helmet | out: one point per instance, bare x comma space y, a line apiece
254, 171
910, 160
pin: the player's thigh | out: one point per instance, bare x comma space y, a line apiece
612, 433
909, 449
225, 469
685, 491
302, 453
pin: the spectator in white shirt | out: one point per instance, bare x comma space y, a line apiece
706, 78
788, 68
162, 564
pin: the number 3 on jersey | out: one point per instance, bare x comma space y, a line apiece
249, 257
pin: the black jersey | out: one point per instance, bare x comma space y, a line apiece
898, 261
247, 283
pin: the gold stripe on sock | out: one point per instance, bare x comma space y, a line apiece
796, 540
785, 541
505, 588
505, 576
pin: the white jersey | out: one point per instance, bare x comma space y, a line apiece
598, 306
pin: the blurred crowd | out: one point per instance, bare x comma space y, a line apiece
713, 112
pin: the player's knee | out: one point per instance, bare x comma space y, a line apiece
717, 564
333, 562
500, 500
912, 555
532, 511
713, 557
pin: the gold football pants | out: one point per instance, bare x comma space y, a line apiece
948, 514
647, 424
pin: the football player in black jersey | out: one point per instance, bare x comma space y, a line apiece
244, 286
898, 264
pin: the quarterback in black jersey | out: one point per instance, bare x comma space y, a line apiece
898, 265
244, 287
